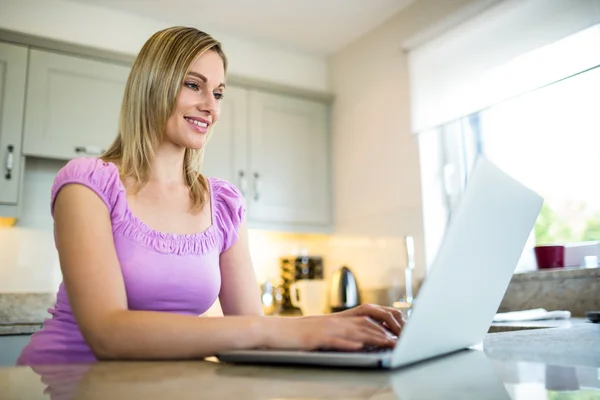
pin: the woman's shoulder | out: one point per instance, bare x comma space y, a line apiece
87, 166
225, 189
100, 176
230, 209
228, 198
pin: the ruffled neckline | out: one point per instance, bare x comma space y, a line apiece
134, 228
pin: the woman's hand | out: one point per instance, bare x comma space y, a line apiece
366, 325
389, 317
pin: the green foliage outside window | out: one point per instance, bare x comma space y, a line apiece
578, 395
554, 226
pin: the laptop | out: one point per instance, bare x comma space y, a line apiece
464, 287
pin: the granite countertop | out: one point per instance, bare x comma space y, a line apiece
542, 363
24, 313
554, 273
538, 324
19, 329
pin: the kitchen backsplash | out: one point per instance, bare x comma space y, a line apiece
377, 262
29, 261
28, 258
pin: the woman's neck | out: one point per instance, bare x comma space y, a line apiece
167, 166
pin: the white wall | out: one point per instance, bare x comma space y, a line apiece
28, 258
376, 159
106, 29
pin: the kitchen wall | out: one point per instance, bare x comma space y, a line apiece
376, 159
28, 259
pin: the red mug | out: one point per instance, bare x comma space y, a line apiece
550, 256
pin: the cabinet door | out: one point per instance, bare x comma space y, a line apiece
289, 162
13, 69
225, 153
11, 347
73, 105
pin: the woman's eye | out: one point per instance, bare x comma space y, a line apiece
219, 96
192, 85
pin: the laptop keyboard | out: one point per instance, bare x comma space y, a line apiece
365, 349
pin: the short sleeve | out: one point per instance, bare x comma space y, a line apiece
99, 176
230, 210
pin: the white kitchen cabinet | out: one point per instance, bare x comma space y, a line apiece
13, 73
275, 148
73, 105
225, 154
288, 161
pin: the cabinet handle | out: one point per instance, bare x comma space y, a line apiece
256, 191
9, 162
242, 182
89, 150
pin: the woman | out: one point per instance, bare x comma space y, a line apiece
146, 243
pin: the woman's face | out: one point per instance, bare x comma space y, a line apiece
198, 104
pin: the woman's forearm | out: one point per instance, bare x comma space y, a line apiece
157, 335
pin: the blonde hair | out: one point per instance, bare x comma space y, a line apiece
150, 98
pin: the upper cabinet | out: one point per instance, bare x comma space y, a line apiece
13, 70
275, 149
73, 105
288, 161
225, 154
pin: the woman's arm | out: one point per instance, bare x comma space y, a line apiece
239, 289
96, 291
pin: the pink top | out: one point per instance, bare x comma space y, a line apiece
162, 271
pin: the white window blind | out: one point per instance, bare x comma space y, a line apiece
488, 58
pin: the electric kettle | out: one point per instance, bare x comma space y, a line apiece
344, 293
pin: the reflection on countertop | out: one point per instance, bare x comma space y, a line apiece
504, 371
466, 375
577, 345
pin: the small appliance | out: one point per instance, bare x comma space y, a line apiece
294, 269
344, 293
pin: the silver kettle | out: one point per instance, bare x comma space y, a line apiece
344, 293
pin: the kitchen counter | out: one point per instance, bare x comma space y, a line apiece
557, 273
25, 308
539, 324
19, 329
573, 289
534, 364
24, 313
578, 345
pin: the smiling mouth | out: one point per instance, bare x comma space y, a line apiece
197, 125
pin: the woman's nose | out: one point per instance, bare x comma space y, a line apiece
208, 103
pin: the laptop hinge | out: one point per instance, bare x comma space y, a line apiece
386, 362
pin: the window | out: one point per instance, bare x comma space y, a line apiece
547, 138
